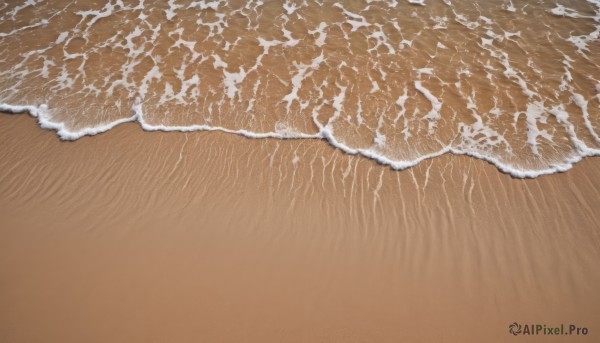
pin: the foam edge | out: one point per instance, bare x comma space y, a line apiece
326, 133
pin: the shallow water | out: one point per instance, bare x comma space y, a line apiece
515, 83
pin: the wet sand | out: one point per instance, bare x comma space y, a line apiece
131, 236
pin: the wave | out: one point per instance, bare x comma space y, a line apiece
396, 82
64, 133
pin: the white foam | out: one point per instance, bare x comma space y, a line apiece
218, 62
289, 7
436, 105
381, 39
7, 34
303, 71
441, 23
291, 41
40, 112
338, 105
417, 2
535, 113
153, 74
510, 7
465, 22
232, 80
359, 118
580, 101
351, 101
357, 21
61, 38
203, 5
320, 41
563, 11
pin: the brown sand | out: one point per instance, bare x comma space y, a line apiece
207, 237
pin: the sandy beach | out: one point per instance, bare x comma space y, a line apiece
299, 171
184, 237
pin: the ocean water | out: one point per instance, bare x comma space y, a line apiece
516, 83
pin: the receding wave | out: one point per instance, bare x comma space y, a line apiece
513, 83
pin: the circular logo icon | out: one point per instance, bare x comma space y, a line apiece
514, 328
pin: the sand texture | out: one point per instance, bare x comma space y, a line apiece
131, 236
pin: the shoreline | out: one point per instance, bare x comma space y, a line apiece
324, 134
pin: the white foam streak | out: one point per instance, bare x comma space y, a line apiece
40, 112
583, 105
436, 105
417, 2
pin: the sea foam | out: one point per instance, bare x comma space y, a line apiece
387, 80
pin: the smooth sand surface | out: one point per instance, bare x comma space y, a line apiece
131, 236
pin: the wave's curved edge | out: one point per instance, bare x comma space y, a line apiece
325, 133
